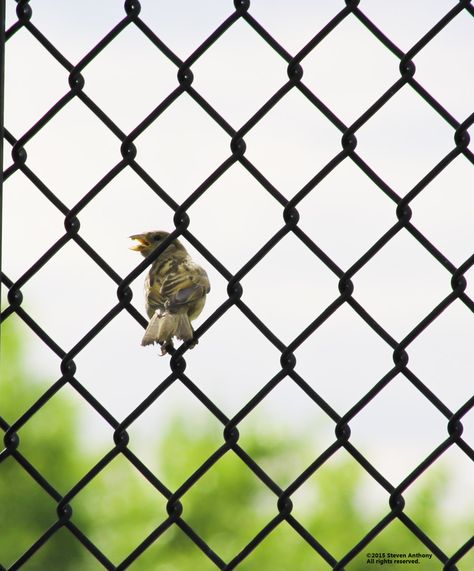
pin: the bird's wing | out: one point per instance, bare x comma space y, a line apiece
188, 284
154, 299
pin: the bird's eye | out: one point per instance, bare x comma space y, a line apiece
156, 238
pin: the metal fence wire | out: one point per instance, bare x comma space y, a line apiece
242, 12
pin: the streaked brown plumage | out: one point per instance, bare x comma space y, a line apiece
175, 290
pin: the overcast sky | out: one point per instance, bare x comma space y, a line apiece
344, 215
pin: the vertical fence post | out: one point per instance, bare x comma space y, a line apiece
2, 106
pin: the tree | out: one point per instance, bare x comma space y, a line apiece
48, 441
227, 506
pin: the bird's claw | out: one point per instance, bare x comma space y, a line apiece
165, 346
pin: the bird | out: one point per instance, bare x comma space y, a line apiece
175, 291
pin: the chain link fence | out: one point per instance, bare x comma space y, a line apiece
130, 159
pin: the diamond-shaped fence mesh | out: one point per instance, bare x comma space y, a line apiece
283, 218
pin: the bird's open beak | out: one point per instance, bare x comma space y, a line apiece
142, 244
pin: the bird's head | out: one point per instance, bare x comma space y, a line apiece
148, 241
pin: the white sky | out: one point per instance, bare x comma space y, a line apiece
344, 215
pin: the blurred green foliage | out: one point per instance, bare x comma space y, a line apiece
227, 507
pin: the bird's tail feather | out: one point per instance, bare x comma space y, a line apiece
184, 330
164, 326
151, 333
